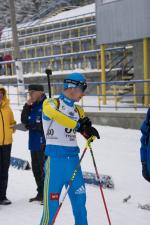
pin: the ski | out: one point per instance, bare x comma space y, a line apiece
105, 180
144, 206
19, 163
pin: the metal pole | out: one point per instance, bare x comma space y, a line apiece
18, 63
100, 187
49, 73
146, 75
14, 29
103, 74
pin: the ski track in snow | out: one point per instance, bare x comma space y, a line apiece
116, 154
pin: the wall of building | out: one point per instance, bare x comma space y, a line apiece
124, 20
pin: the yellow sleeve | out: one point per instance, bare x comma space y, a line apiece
80, 111
12, 120
51, 111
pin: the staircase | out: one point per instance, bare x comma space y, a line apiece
123, 65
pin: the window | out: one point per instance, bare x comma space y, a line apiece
83, 31
76, 47
108, 1
79, 21
42, 38
23, 54
71, 22
56, 36
66, 48
65, 34
42, 28
28, 41
29, 31
91, 29
48, 50
49, 27
63, 24
34, 39
56, 25
56, 49
31, 53
74, 33
86, 45
49, 37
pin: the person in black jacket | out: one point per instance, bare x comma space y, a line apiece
31, 117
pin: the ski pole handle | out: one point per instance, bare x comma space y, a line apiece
91, 139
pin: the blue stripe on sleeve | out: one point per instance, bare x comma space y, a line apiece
45, 117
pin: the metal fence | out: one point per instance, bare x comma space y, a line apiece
119, 95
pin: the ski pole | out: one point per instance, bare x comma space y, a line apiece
72, 179
49, 72
98, 178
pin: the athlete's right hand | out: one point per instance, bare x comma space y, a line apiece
91, 131
83, 124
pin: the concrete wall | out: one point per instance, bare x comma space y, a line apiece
116, 119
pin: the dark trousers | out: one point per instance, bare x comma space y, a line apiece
37, 160
5, 152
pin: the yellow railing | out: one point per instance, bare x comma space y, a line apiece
66, 60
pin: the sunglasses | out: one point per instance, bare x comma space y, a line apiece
81, 85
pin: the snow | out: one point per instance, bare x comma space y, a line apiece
116, 154
78, 12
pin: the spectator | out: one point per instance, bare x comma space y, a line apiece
145, 147
6, 123
32, 118
8, 57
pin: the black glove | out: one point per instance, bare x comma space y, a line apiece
145, 172
84, 123
90, 131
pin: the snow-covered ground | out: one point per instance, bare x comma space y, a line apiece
116, 153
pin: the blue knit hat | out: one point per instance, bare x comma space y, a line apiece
74, 80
